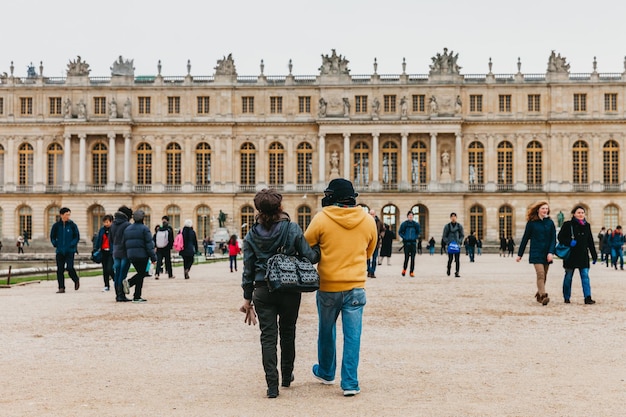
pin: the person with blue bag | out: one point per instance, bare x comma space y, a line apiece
453, 236
616, 243
541, 232
576, 233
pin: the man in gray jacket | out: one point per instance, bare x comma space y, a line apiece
453, 232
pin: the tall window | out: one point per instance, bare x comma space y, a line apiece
173, 155
389, 103
99, 156
144, 105
55, 106
203, 105
247, 104
25, 220
99, 105
173, 105
420, 214
203, 164
276, 105
52, 216
173, 212
419, 163
304, 104
305, 163
611, 216
580, 162
505, 163
304, 217
534, 103
203, 222
26, 105
476, 163
1, 105
580, 102
96, 213
144, 164
504, 103
390, 217
476, 103
477, 220
418, 101
360, 104
361, 165
610, 102
25, 157
390, 165
534, 177
276, 165
505, 221
248, 164
610, 163
247, 219
55, 164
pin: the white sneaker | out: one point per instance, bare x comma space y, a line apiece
351, 392
105, 289
126, 287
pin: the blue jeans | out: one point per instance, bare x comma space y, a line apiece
567, 282
371, 263
350, 304
470, 252
615, 254
120, 267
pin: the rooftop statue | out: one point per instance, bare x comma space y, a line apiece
78, 67
121, 67
556, 63
445, 63
334, 64
226, 66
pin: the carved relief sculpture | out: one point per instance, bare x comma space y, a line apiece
226, 66
67, 108
375, 107
126, 113
322, 109
121, 67
445, 63
557, 63
78, 68
113, 109
334, 64
346, 107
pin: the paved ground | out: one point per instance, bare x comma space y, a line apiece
432, 345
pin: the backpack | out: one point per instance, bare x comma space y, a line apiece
162, 238
178, 242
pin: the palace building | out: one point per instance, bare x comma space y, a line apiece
484, 146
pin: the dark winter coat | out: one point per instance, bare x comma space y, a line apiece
409, 231
388, 237
190, 242
116, 234
64, 237
542, 236
578, 255
138, 242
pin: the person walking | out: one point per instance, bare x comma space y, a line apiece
20, 244
616, 242
164, 240
541, 232
600, 241
139, 248
479, 246
190, 246
606, 246
386, 245
64, 236
277, 311
431, 245
471, 245
103, 244
576, 233
121, 264
371, 263
409, 232
233, 251
453, 232
503, 245
347, 237
510, 246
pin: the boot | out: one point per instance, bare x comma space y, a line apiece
538, 297
588, 300
545, 299
186, 274
119, 294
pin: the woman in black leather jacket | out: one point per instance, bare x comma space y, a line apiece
277, 311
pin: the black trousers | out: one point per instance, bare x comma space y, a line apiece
278, 314
164, 254
107, 267
136, 281
457, 257
409, 253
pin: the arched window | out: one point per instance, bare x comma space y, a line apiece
173, 212
52, 216
610, 164
147, 218
580, 164
203, 164
505, 221
476, 163
173, 155
55, 165
390, 166
305, 166
144, 164
419, 165
534, 176
248, 166
203, 221
99, 155
361, 165
95, 215
304, 217
276, 166
25, 156
477, 220
24, 220
420, 215
505, 165
611, 216
247, 219
390, 217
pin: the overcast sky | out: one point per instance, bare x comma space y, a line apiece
55, 32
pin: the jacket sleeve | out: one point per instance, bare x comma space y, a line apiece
444, 235
53, 235
525, 238
591, 244
147, 237
302, 246
248, 275
75, 237
401, 230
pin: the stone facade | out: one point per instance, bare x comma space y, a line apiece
484, 146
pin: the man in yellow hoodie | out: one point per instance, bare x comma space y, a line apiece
347, 238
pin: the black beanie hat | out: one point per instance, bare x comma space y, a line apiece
341, 189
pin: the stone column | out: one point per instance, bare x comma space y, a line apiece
346, 156
404, 162
321, 154
111, 161
82, 162
127, 186
67, 161
434, 160
376, 161
458, 158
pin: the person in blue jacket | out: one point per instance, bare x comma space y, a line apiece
409, 232
541, 232
139, 249
64, 236
616, 243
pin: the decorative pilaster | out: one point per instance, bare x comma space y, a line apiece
321, 154
67, 161
127, 186
434, 159
346, 156
458, 158
375, 161
404, 162
111, 161
82, 161
39, 168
